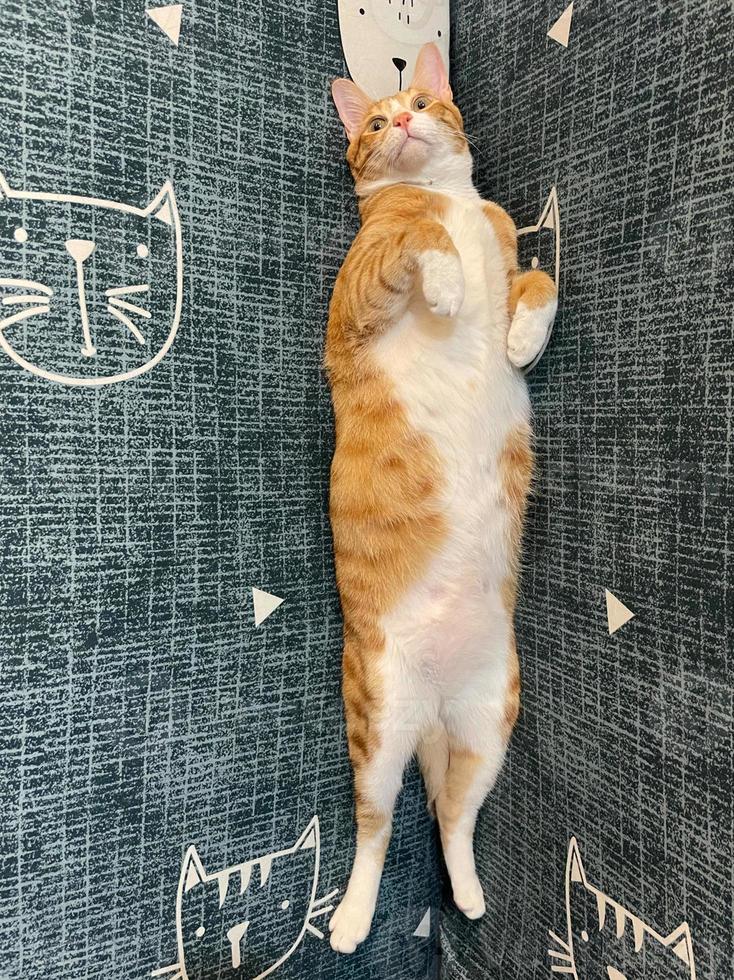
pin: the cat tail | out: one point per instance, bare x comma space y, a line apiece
433, 759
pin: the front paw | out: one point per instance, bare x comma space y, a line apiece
443, 282
529, 332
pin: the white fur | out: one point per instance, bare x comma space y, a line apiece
529, 332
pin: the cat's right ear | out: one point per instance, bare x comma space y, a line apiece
351, 104
192, 870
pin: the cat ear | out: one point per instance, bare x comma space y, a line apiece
310, 838
574, 865
192, 870
351, 104
4, 188
680, 940
163, 206
430, 73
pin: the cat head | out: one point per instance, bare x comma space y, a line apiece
608, 942
90, 289
414, 134
232, 920
382, 38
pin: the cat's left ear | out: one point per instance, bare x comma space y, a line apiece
351, 104
310, 837
163, 206
430, 73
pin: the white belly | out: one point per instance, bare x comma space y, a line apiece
457, 386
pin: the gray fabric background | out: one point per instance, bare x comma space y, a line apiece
624, 741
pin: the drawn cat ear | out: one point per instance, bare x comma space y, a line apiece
310, 838
351, 104
574, 865
192, 870
4, 188
430, 73
163, 206
680, 940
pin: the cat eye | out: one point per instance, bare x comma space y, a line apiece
420, 102
20, 235
142, 251
377, 124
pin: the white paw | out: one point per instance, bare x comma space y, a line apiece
469, 896
529, 332
350, 925
443, 282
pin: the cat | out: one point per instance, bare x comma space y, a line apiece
430, 324
92, 288
247, 920
608, 942
381, 39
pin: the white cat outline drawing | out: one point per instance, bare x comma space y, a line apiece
193, 874
550, 218
564, 963
381, 39
37, 301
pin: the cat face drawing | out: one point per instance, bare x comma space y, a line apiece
539, 246
90, 289
246, 920
608, 942
382, 38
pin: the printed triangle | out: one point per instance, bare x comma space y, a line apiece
561, 29
168, 18
617, 613
263, 604
424, 926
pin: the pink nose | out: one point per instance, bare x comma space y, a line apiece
402, 119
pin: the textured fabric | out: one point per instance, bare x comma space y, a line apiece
625, 741
142, 711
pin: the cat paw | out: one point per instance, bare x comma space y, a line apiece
349, 925
529, 332
469, 897
443, 282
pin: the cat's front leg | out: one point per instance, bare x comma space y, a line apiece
442, 280
533, 304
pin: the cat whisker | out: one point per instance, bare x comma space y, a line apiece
325, 898
559, 956
28, 284
168, 969
563, 969
128, 323
121, 290
15, 300
561, 942
314, 931
326, 908
130, 307
23, 315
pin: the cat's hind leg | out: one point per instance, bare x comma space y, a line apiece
382, 736
479, 724
533, 304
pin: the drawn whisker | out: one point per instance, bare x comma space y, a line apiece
168, 969
563, 969
28, 284
559, 956
130, 307
128, 323
314, 931
561, 942
121, 290
15, 300
23, 315
325, 898
326, 908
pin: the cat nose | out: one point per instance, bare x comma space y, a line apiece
402, 119
399, 63
79, 248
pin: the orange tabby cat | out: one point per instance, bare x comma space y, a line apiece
429, 323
